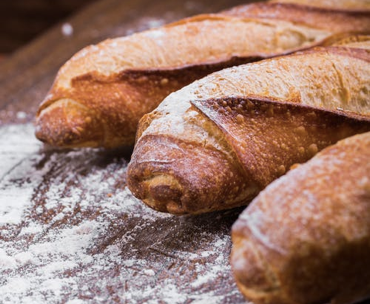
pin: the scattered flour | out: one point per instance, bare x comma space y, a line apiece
69, 230
21, 115
67, 29
17, 155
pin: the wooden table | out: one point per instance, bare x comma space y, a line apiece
70, 230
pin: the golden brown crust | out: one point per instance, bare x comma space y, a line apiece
345, 47
356, 5
334, 18
357, 41
102, 97
188, 186
307, 235
261, 118
268, 136
119, 80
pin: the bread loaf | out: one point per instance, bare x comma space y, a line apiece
306, 238
100, 94
219, 141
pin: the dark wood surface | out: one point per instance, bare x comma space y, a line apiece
69, 228
22, 20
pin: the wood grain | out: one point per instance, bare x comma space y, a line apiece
122, 251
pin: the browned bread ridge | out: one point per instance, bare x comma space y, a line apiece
219, 141
356, 5
100, 94
306, 238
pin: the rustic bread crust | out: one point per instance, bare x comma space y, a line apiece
268, 136
306, 238
338, 18
100, 94
284, 111
355, 5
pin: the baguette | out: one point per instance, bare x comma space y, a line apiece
100, 94
306, 238
218, 142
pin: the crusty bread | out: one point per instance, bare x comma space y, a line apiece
357, 5
219, 141
100, 94
357, 42
339, 17
306, 238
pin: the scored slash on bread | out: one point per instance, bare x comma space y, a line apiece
306, 238
219, 141
268, 136
100, 94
